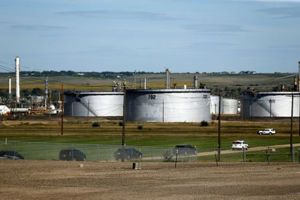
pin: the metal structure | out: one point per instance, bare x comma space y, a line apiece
168, 105
92, 104
270, 104
228, 106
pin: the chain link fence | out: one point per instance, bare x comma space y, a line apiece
101, 152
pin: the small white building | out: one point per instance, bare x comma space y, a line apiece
4, 110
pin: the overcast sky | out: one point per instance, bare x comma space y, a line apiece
151, 35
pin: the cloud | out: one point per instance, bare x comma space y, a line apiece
110, 14
38, 27
283, 12
215, 28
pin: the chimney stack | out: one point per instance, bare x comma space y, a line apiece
195, 81
145, 83
167, 79
17, 63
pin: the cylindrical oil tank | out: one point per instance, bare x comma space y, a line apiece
93, 104
168, 105
228, 106
270, 104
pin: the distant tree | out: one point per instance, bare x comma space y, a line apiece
25, 93
37, 92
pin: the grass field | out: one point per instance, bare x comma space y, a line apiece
261, 82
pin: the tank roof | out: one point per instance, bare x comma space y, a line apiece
169, 90
279, 93
92, 93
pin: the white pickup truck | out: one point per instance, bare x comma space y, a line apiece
267, 131
239, 145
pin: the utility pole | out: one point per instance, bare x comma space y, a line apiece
46, 93
219, 128
163, 110
124, 119
298, 82
291, 131
62, 110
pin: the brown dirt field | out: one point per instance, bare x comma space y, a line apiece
114, 180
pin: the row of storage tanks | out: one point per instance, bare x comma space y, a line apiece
178, 105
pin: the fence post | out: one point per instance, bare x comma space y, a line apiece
216, 159
176, 158
299, 155
268, 155
244, 155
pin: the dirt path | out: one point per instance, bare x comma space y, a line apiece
252, 149
229, 151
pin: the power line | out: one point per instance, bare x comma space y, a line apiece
6, 68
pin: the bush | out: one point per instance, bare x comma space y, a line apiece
140, 127
204, 123
95, 124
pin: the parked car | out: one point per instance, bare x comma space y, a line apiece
267, 131
72, 154
128, 154
180, 150
11, 155
239, 145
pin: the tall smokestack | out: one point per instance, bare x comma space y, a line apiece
195, 81
167, 79
145, 83
17, 62
9, 88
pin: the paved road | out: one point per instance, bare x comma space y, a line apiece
260, 148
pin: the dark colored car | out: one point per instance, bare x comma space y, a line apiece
128, 154
180, 150
12, 155
72, 154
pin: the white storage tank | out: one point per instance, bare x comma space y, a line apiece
270, 104
168, 105
228, 106
93, 104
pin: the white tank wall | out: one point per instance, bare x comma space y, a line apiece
214, 104
271, 104
100, 104
168, 105
228, 106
